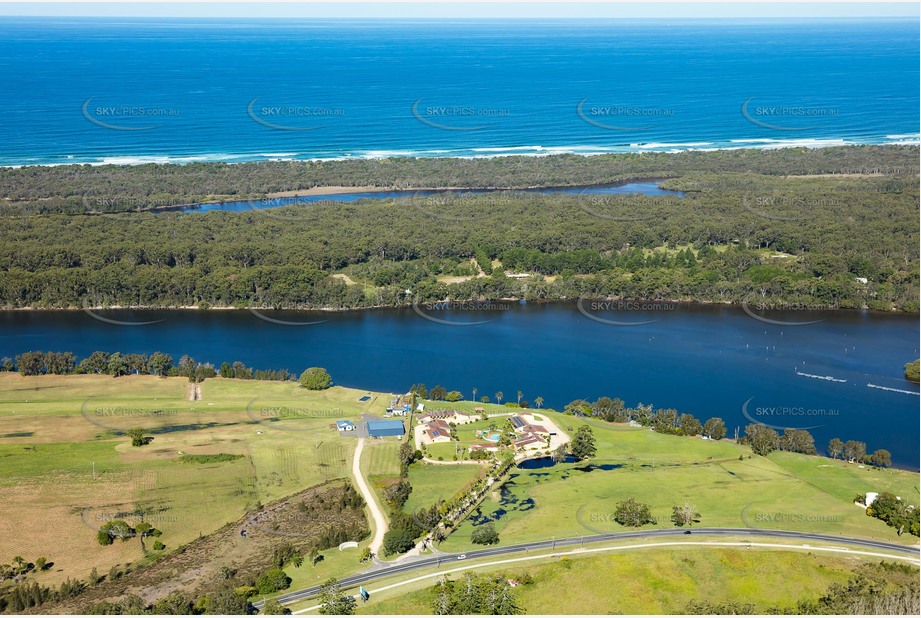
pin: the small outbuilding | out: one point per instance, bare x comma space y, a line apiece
345, 425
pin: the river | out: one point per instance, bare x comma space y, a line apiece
709, 360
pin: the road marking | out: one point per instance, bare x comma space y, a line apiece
590, 550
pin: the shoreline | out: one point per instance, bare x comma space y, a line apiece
342, 189
691, 304
346, 190
578, 150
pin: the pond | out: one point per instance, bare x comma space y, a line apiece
537, 463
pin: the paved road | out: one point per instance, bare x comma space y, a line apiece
380, 522
444, 559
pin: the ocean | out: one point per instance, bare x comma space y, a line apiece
168, 90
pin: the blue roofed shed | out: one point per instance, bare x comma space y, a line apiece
345, 425
381, 429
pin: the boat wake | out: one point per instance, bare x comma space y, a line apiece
894, 390
815, 377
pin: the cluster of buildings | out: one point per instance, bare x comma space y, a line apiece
400, 405
373, 428
531, 436
438, 424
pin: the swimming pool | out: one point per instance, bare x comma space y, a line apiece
493, 437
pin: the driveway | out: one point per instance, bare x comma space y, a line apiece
380, 521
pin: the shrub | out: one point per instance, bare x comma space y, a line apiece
398, 541
115, 529
485, 535
316, 379
273, 607
272, 580
138, 438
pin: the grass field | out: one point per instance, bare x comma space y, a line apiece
785, 490
442, 451
469, 407
66, 466
380, 465
381, 458
654, 581
432, 483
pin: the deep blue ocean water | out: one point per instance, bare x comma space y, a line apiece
130, 91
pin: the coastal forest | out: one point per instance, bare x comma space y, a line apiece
823, 228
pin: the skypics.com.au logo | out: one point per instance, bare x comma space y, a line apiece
612, 312
463, 310
456, 117
611, 117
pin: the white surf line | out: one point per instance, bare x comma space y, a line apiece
590, 550
894, 390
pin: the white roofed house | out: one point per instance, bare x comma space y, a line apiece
490, 447
529, 442
537, 430
448, 416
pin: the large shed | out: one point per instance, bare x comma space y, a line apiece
382, 429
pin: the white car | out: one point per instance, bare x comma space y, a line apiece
462, 557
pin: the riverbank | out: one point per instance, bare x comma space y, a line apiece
659, 302
340, 193
338, 190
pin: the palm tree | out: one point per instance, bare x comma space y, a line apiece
539, 401
519, 397
499, 397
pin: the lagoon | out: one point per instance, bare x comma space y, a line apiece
649, 187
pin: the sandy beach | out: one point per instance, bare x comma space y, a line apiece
335, 190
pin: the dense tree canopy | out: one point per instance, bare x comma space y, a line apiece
830, 228
112, 188
316, 379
